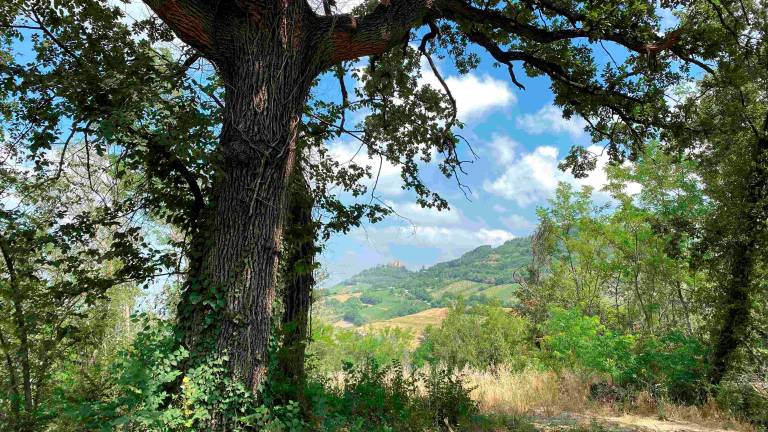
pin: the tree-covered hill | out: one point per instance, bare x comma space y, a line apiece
379, 277
482, 275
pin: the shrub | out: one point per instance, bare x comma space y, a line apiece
370, 299
745, 399
480, 337
672, 363
573, 339
332, 347
376, 398
353, 316
138, 396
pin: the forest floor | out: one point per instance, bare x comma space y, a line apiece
567, 421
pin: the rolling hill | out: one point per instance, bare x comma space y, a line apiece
386, 292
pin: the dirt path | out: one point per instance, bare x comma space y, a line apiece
625, 423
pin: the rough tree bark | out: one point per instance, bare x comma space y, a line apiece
298, 282
267, 54
739, 286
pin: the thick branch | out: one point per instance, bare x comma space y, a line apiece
555, 71
191, 20
464, 13
373, 34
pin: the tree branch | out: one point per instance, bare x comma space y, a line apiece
352, 37
191, 20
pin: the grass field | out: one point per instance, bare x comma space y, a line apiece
504, 292
344, 297
415, 323
464, 288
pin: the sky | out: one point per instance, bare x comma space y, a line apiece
519, 137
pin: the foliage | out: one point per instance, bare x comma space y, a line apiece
746, 400
332, 347
571, 338
138, 396
672, 363
387, 399
629, 266
723, 122
370, 299
480, 337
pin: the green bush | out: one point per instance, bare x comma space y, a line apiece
353, 316
573, 339
370, 299
480, 337
332, 347
375, 398
745, 400
140, 396
672, 363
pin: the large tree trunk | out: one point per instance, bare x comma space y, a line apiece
267, 54
742, 261
298, 280
267, 74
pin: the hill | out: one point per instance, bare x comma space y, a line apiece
384, 292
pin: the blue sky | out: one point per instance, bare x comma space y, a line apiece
519, 137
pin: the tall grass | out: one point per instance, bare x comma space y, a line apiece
547, 393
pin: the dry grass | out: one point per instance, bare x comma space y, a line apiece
414, 323
345, 296
529, 391
548, 394
550, 398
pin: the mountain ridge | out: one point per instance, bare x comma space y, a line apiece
484, 274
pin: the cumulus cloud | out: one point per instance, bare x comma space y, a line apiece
519, 225
528, 179
549, 119
389, 183
503, 148
531, 178
475, 95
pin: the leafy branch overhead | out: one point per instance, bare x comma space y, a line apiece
551, 38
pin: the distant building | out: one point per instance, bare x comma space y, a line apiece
396, 263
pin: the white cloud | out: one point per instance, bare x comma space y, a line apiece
519, 224
451, 240
549, 119
532, 178
529, 179
503, 148
475, 96
499, 208
389, 181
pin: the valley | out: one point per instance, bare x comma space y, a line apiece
391, 294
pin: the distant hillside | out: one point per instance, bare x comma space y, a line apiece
384, 292
379, 277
